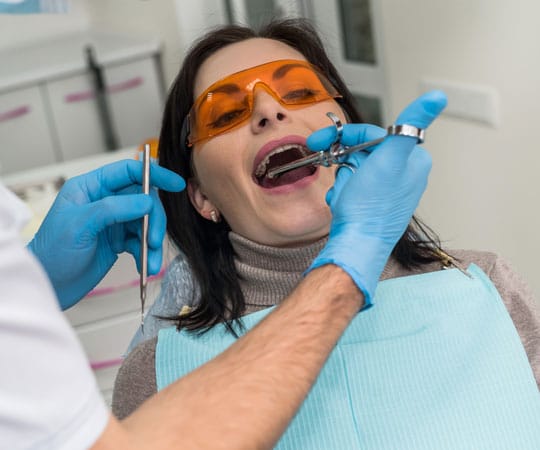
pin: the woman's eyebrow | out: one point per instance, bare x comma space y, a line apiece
280, 72
226, 88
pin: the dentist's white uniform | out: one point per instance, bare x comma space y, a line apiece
48, 395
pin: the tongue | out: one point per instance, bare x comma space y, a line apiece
286, 178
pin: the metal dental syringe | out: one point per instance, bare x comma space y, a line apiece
337, 152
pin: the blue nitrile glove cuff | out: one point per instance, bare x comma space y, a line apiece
362, 257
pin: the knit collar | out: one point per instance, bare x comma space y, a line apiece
280, 259
268, 274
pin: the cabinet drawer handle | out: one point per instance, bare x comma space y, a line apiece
117, 87
120, 287
79, 96
14, 113
98, 365
125, 85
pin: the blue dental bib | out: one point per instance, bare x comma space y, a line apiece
436, 364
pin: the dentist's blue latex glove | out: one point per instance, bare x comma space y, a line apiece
95, 217
372, 207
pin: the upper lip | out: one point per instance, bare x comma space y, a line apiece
270, 146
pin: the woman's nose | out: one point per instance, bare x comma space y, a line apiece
267, 111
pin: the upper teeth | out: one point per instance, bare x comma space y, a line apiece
261, 168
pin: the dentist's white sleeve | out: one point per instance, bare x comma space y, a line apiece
48, 395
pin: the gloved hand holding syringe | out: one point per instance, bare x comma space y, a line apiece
337, 152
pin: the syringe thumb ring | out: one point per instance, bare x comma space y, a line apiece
407, 130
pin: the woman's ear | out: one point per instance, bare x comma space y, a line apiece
200, 201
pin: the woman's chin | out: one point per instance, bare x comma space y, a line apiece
299, 237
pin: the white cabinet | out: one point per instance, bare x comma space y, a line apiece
135, 84
134, 99
25, 137
48, 107
75, 116
108, 318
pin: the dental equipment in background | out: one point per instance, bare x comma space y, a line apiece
337, 152
144, 234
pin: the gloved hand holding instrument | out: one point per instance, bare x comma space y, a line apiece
372, 205
95, 217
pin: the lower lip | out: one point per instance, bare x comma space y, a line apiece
288, 188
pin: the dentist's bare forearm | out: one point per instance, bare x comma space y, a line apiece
246, 397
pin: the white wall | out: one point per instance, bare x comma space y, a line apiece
485, 184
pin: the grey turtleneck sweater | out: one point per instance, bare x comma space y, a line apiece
267, 275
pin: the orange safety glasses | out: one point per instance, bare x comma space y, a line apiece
228, 103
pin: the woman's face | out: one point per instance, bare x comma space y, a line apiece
288, 212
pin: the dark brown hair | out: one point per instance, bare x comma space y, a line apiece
205, 243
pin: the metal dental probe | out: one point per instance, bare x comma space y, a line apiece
336, 153
144, 234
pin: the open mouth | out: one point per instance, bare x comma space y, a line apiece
279, 156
